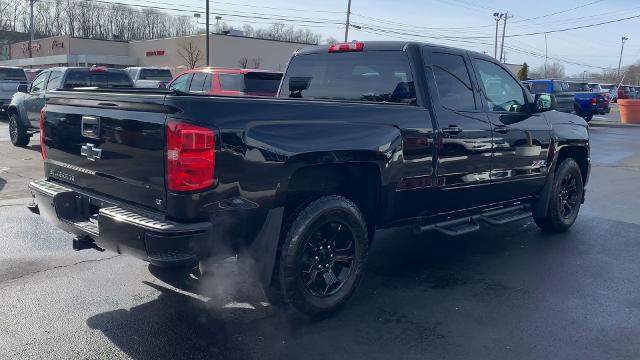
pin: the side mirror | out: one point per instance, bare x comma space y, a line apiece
545, 102
23, 88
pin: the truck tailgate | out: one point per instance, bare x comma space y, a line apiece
109, 143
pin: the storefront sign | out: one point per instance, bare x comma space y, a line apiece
35, 47
57, 44
155, 53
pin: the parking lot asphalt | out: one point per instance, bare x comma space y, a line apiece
502, 293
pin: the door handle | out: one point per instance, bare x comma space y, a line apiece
501, 129
452, 130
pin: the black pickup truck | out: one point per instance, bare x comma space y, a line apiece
362, 136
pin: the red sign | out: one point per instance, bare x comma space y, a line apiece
155, 53
34, 47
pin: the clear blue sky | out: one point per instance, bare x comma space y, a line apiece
462, 23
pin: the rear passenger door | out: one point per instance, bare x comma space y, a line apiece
520, 139
464, 139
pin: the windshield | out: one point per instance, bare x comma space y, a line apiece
373, 76
13, 74
155, 74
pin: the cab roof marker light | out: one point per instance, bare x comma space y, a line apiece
346, 47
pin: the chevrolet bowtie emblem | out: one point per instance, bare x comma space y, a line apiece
92, 153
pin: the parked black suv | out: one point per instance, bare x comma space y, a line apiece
24, 108
362, 136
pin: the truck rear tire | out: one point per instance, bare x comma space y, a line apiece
17, 131
566, 197
588, 118
323, 257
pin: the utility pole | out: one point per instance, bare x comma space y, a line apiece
621, 50
497, 17
31, 30
207, 37
545, 54
346, 29
504, 29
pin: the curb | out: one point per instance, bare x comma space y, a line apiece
609, 124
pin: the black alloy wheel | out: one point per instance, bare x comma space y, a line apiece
566, 197
322, 259
327, 258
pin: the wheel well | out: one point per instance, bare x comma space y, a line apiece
577, 153
12, 110
359, 182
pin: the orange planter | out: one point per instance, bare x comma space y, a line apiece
629, 111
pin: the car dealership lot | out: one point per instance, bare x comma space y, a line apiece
509, 292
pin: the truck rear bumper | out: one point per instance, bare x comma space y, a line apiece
118, 227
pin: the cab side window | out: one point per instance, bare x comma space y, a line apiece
502, 92
453, 82
54, 80
38, 82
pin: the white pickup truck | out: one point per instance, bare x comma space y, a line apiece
150, 77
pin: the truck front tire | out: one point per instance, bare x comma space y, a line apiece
323, 257
566, 197
17, 131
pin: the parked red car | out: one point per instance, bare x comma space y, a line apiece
219, 81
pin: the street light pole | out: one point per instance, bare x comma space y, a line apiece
207, 37
346, 29
546, 48
621, 50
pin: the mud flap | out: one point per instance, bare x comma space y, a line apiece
541, 205
264, 249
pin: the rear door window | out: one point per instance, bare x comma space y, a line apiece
369, 76
453, 82
208, 82
197, 83
12, 74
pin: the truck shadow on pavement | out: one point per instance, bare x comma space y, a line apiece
401, 300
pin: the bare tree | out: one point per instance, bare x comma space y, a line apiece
256, 62
554, 70
190, 54
243, 62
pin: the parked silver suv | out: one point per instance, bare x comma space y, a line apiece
10, 78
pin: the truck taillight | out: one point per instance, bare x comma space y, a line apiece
346, 47
191, 157
43, 150
594, 101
